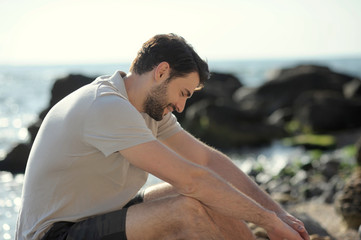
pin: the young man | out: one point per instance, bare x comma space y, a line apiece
95, 148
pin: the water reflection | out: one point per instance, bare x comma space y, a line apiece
10, 192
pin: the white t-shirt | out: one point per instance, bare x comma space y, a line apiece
74, 169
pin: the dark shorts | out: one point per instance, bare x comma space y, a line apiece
109, 226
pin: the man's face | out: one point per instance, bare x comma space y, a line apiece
156, 101
170, 95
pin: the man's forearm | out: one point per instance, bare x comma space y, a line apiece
225, 168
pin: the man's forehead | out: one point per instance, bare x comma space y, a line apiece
189, 83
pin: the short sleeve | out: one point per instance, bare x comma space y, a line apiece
168, 126
113, 124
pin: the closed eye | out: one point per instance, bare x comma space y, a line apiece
186, 93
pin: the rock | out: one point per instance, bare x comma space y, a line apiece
326, 111
358, 152
225, 126
15, 161
352, 89
63, 87
222, 85
219, 88
313, 227
329, 167
33, 129
348, 203
334, 185
282, 91
299, 178
213, 116
280, 116
346, 137
313, 191
304, 98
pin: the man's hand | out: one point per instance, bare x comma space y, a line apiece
296, 224
277, 229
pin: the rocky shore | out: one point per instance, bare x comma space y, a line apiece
308, 106
323, 189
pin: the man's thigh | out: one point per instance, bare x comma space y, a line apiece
155, 219
180, 217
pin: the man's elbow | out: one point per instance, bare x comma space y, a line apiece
194, 182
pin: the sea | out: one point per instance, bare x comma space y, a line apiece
25, 92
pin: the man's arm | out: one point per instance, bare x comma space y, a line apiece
194, 150
201, 183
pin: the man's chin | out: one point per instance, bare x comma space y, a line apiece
157, 118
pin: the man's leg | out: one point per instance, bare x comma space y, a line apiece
231, 228
166, 215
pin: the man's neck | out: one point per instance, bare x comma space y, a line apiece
137, 87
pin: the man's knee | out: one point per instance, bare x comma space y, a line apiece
192, 213
200, 220
194, 220
191, 206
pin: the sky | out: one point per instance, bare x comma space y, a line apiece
112, 31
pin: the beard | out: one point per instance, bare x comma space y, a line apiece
156, 101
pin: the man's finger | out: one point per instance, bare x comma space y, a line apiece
303, 232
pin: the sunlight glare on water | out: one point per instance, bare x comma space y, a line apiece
10, 201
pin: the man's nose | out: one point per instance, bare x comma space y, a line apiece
180, 106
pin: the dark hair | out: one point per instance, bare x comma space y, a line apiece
174, 50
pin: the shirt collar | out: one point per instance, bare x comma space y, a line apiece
118, 82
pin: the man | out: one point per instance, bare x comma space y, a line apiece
96, 146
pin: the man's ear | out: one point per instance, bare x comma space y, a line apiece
162, 72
